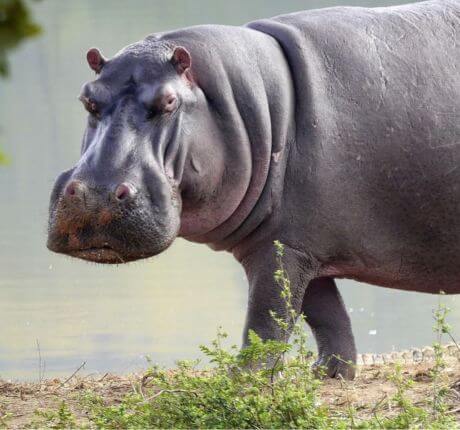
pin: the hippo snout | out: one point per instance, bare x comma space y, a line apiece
106, 224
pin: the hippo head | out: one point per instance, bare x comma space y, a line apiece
179, 139
121, 201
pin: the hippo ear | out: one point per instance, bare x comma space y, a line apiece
95, 60
181, 59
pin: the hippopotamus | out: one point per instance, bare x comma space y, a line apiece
334, 131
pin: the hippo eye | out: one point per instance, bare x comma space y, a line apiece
152, 112
90, 106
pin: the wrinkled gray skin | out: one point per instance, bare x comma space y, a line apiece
335, 131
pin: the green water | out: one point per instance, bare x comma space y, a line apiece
112, 317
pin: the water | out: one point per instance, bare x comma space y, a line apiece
112, 317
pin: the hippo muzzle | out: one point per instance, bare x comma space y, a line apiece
108, 224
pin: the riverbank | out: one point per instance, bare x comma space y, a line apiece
380, 392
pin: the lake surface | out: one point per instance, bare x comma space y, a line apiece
113, 317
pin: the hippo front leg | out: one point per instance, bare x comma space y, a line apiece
321, 303
325, 313
265, 293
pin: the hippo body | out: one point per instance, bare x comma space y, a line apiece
335, 131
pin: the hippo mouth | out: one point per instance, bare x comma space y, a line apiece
104, 254
101, 251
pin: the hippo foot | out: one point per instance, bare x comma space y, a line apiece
334, 366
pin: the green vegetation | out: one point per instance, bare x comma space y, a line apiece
62, 418
268, 385
16, 25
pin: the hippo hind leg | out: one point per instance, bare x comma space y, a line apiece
325, 313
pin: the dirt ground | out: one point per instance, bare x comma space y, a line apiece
368, 393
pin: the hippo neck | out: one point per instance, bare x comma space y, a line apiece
262, 104
246, 232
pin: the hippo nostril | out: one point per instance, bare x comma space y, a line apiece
74, 189
124, 191
70, 190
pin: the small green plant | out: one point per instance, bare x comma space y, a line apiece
62, 418
295, 321
440, 328
409, 414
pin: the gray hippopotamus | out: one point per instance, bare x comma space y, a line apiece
335, 131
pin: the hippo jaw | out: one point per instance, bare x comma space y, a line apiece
104, 255
104, 248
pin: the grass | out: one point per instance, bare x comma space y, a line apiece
259, 388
